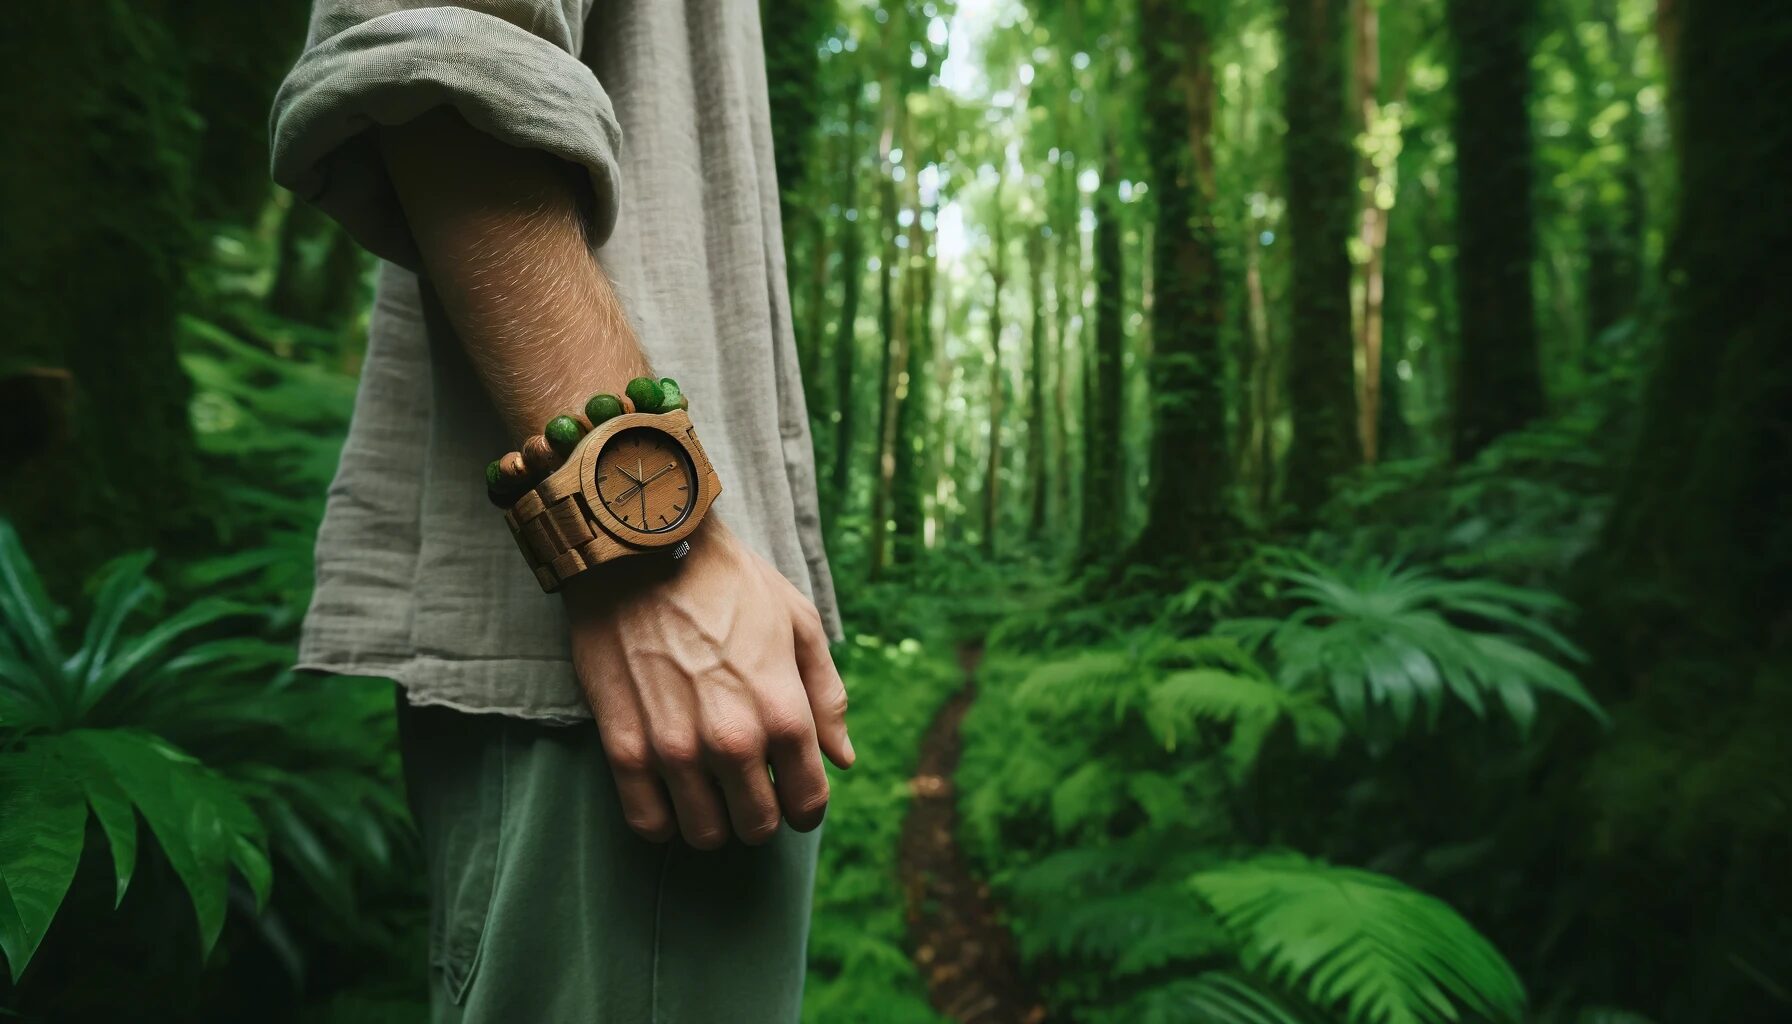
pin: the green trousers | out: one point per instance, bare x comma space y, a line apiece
544, 907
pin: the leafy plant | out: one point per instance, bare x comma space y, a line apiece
1390, 642
53, 770
1385, 953
161, 714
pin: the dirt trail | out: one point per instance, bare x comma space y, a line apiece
962, 950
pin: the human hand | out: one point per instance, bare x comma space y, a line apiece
701, 674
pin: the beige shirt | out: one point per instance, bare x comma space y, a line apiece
664, 102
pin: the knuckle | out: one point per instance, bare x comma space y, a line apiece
675, 750
629, 754
834, 701
787, 727
736, 741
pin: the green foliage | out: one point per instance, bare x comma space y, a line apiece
1386, 953
1391, 642
1127, 795
179, 718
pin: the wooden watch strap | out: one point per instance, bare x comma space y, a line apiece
555, 534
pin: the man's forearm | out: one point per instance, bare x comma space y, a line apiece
500, 233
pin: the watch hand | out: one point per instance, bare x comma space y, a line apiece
641, 485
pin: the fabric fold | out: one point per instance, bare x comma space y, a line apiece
519, 87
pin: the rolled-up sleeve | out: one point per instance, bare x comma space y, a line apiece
509, 67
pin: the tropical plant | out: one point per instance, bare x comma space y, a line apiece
1390, 642
200, 731
1379, 951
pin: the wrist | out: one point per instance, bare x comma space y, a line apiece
606, 483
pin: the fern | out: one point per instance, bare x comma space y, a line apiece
1391, 643
1212, 997
1177, 703
1384, 953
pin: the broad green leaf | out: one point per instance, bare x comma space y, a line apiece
1364, 943
194, 814
43, 820
113, 809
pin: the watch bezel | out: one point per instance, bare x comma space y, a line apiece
676, 425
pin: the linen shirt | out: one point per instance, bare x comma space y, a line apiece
664, 103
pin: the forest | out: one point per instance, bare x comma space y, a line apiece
1309, 484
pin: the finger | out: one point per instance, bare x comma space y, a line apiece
801, 783
644, 804
697, 803
638, 788
827, 693
752, 804
735, 753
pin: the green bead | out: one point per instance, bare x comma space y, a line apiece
602, 407
646, 394
563, 433
494, 478
671, 396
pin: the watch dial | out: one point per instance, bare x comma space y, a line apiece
645, 479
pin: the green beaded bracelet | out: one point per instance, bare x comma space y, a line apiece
647, 394
507, 478
563, 433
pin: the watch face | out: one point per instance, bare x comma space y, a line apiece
646, 480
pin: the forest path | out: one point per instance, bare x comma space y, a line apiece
959, 945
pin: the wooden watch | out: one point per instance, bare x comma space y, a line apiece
638, 483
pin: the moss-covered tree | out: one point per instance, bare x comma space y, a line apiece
1190, 465
1499, 382
1321, 205
1687, 597
98, 202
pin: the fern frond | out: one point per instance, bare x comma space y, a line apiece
1215, 997
1382, 952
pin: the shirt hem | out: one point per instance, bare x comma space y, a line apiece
477, 686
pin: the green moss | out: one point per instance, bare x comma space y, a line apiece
647, 395
563, 433
601, 407
672, 396
494, 476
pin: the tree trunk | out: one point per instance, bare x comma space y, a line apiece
98, 219
1103, 497
1038, 487
793, 30
1321, 199
893, 319
1499, 382
1067, 271
845, 332
992, 470
1686, 601
913, 454
1186, 514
